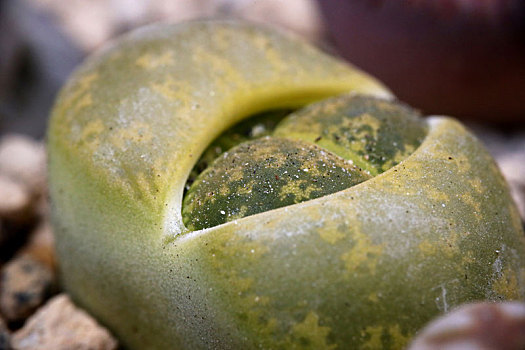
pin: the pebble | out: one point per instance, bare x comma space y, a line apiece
40, 245
23, 160
481, 326
15, 201
25, 285
60, 325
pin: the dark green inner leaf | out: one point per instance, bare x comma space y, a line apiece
280, 158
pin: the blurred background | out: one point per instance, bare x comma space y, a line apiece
42, 41
464, 58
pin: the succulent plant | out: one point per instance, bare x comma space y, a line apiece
250, 258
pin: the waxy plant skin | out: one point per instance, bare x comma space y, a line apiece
364, 267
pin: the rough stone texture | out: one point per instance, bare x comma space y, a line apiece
15, 200
26, 283
23, 160
483, 326
60, 325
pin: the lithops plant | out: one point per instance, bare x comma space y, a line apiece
422, 222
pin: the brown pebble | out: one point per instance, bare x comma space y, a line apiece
5, 336
23, 160
60, 325
25, 285
482, 326
15, 201
41, 245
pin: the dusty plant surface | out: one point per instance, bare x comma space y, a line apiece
32, 301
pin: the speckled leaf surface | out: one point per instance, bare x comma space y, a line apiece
364, 268
262, 175
375, 134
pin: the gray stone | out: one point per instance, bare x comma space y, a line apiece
60, 325
25, 285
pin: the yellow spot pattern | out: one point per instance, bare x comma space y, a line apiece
79, 96
136, 132
310, 335
375, 334
507, 285
92, 129
294, 187
152, 61
172, 89
363, 254
330, 233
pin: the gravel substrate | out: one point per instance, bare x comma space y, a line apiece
34, 312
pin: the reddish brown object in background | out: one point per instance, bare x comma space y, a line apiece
459, 57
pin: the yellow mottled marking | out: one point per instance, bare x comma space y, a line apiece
79, 97
374, 341
278, 62
144, 187
251, 306
85, 101
363, 253
427, 248
373, 297
475, 204
477, 184
153, 61
310, 335
225, 72
365, 120
437, 195
397, 338
330, 233
172, 90
467, 258
93, 128
448, 246
463, 163
293, 187
135, 132
516, 221
507, 285
85, 82
242, 213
